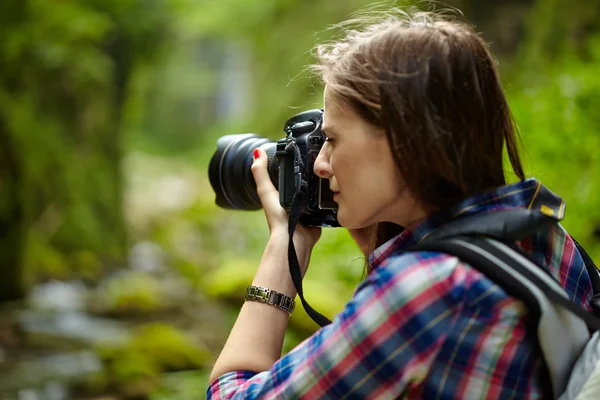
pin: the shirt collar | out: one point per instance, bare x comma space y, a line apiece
515, 195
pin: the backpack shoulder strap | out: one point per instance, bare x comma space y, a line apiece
594, 274
589, 264
545, 209
545, 299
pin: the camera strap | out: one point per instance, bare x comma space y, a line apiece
295, 271
294, 217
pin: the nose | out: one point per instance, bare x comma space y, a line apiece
322, 167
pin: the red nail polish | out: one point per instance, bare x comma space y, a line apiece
256, 154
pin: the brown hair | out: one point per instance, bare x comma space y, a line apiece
431, 83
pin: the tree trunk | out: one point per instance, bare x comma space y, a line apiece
12, 220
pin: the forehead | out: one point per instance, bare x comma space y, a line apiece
330, 99
339, 116
334, 109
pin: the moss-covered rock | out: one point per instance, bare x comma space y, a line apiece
134, 369
129, 293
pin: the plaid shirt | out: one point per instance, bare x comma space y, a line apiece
424, 325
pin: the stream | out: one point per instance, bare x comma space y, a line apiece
49, 342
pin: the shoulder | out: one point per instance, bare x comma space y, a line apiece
412, 275
411, 266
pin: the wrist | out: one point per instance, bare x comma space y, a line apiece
271, 297
279, 234
279, 281
274, 271
302, 243
279, 244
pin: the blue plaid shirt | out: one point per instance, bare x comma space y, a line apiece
424, 325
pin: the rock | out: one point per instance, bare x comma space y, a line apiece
39, 376
70, 327
135, 293
59, 296
147, 256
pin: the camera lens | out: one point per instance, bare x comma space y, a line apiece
229, 171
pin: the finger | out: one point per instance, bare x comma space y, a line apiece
268, 194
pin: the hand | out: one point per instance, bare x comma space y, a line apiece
365, 238
277, 218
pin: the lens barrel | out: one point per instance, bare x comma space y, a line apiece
229, 170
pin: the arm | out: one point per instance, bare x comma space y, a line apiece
256, 339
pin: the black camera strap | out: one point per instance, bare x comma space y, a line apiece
295, 271
294, 217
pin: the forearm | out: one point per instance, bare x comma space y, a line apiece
256, 340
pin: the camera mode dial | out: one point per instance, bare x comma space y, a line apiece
300, 128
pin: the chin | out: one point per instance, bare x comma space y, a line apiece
349, 222
343, 221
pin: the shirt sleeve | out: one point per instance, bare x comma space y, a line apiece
380, 344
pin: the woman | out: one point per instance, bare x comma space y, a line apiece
416, 122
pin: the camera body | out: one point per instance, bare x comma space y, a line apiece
290, 166
304, 129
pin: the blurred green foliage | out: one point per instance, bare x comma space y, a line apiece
135, 368
109, 114
554, 92
66, 74
181, 385
130, 293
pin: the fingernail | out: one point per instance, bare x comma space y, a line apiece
256, 154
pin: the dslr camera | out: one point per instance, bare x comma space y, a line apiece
290, 164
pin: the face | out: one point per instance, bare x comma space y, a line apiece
358, 162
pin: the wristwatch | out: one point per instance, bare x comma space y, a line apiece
268, 296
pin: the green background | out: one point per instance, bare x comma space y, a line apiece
109, 114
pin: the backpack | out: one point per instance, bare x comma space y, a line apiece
487, 243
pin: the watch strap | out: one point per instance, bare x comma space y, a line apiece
271, 297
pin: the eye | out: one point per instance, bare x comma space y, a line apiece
327, 137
